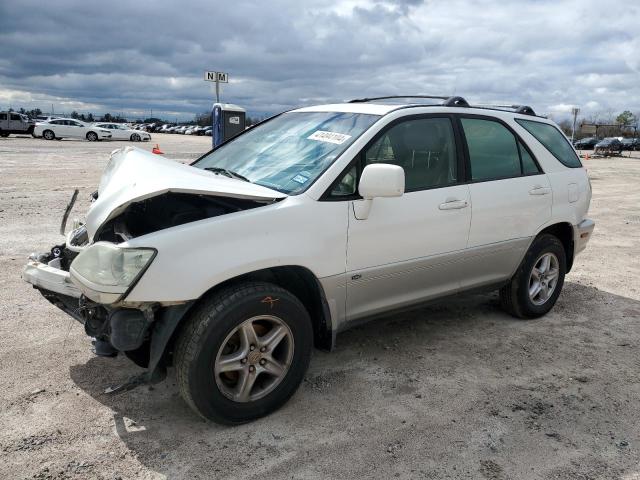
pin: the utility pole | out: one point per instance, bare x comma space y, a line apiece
574, 111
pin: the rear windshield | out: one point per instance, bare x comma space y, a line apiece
553, 140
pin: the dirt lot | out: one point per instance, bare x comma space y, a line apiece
459, 390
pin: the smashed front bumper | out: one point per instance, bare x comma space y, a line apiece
49, 276
143, 333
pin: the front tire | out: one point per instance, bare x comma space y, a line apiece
243, 352
135, 137
92, 136
535, 287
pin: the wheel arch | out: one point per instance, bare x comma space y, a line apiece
563, 231
298, 280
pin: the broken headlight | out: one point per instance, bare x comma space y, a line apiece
104, 271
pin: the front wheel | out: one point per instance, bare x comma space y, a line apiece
243, 352
92, 136
535, 287
135, 137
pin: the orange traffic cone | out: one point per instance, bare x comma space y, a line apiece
586, 156
157, 150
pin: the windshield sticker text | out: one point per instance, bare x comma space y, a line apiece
330, 137
300, 179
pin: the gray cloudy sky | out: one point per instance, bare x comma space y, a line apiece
134, 56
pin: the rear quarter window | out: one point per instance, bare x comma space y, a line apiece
553, 140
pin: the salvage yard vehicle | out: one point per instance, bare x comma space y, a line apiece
630, 143
70, 128
15, 123
608, 146
585, 143
232, 268
120, 131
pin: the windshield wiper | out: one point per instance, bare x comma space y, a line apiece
228, 173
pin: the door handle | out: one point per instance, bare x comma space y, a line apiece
539, 190
453, 204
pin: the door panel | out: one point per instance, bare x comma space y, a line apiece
509, 209
509, 200
405, 251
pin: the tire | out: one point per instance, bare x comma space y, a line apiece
48, 135
515, 297
135, 137
4, 134
92, 136
210, 330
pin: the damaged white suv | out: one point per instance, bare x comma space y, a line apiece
231, 269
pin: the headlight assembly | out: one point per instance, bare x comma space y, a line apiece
105, 272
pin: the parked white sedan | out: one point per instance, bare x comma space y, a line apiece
121, 131
70, 128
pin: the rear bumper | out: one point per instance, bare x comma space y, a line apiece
582, 234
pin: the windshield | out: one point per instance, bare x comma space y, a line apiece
290, 151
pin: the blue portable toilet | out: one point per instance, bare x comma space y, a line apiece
227, 121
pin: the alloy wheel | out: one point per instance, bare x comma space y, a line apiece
254, 358
543, 278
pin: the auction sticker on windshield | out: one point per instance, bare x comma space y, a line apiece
330, 137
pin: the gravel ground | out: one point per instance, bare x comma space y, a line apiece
458, 390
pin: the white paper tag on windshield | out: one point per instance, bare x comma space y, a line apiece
330, 137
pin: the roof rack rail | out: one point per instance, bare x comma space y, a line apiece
522, 109
390, 97
454, 101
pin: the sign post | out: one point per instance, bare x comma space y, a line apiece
574, 112
218, 77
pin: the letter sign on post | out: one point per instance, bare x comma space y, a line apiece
218, 77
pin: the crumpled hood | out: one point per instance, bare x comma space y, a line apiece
133, 175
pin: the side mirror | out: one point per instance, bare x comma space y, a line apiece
381, 180
378, 180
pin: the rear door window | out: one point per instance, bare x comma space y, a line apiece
553, 140
493, 150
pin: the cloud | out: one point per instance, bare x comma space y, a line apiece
138, 56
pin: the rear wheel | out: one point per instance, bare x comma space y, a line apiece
92, 136
535, 287
48, 135
243, 352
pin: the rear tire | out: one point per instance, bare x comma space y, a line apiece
216, 354
92, 136
48, 135
535, 287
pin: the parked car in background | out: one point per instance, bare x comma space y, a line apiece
15, 123
608, 146
233, 268
208, 131
46, 118
585, 143
70, 128
630, 143
120, 131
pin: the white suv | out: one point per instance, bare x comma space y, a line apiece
233, 268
